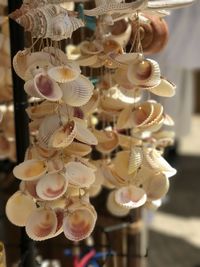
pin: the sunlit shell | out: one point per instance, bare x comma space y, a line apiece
130, 197
52, 186
63, 74
78, 92
63, 136
168, 120
135, 159
41, 224
19, 207
145, 73
79, 222
114, 208
94, 190
84, 135
90, 48
107, 146
78, 149
165, 89
79, 174
30, 170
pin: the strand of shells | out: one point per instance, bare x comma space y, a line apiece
72, 117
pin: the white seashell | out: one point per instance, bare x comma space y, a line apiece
90, 48
79, 174
55, 165
79, 222
60, 216
30, 188
163, 4
19, 207
30, 170
135, 159
78, 92
77, 149
41, 224
107, 141
130, 197
63, 74
52, 186
165, 89
114, 208
84, 135
92, 104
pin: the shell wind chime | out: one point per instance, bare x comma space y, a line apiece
72, 116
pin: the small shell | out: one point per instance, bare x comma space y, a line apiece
143, 113
121, 163
92, 104
55, 165
19, 207
30, 188
130, 197
60, 216
125, 120
107, 146
90, 48
79, 174
63, 74
30, 170
79, 223
52, 186
114, 208
78, 92
78, 149
41, 110
63, 136
165, 89
135, 159
41, 224
145, 73
84, 135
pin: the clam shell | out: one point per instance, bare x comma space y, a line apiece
135, 159
55, 165
130, 197
143, 113
77, 149
107, 146
30, 188
60, 216
127, 141
125, 119
63, 74
63, 136
92, 104
79, 222
90, 48
19, 207
79, 174
41, 224
30, 170
52, 186
165, 89
145, 73
83, 134
41, 110
114, 208
78, 92
121, 163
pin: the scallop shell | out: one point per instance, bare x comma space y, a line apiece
63, 136
135, 159
19, 207
79, 222
165, 89
79, 174
41, 224
30, 170
130, 197
63, 74
78, 92
107, 146
77, 149
145, 73
52, 186
143, 113
84, 135
114, 208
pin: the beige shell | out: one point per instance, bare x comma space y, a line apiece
114, 208
90, 48
19, 207
55, 165
165, 89
145, 73
121, 164
130, 197
79, 174
83, 134
143, 113
30, 188
135, 159
78, 92
126, 141
77, 149
92, 104
63, 74
41, 224
41, 110
125, 120
108, 145
79, 222
30, 170
60, 216
52, 186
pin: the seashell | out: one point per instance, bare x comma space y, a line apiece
57, 56
79, 222
143, 113
77, 149
130, 197
125, 119
73, 52
111, 46
163, 4
63, 74
30, 170
41, 110
79, 174
165, 89
108, 145
92, 104
127, 141
135, 159
94, 190
168, 120
60, 216
41, 224
78, 92
63, 136
121, 164
19, 207
30, 188
154, 33
84, 135
90, 48
109, 104
114, 208
45, 153
86, 61
145, 73
52, 186
19, 63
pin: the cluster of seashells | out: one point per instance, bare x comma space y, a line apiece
73, 115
